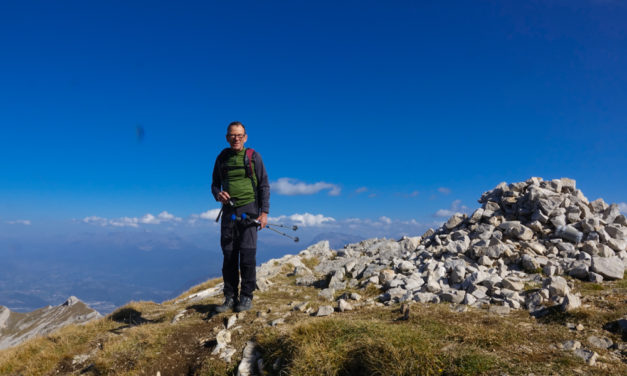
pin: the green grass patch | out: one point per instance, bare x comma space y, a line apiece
368, 347
591, 287
471, 364
311, 262
622, 284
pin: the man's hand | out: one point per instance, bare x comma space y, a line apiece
224, 197
263, 220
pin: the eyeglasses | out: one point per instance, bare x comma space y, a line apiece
238, 136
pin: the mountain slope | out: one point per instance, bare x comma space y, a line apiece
18, 327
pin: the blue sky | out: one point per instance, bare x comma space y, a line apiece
397, 113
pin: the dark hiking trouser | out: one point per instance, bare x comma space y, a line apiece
239, 247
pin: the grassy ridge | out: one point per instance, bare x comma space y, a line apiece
140, 339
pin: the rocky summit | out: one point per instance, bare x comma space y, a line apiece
18, 327
524, 234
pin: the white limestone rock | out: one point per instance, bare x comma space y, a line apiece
454, 221
517, 230
588, 356
406, 267
571, 345
410, 243
250, 355
513, 284
579, 270
570, 302
557, 286
426, 297
608, 267
600, 342
343, 305
453, 296
320, 249
530, 264
568, 232
327, 294
386, 276
325, 310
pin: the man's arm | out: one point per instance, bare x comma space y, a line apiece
216, 183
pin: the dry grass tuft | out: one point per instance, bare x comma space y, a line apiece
311, 262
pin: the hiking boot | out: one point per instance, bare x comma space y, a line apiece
229, 303
244, 304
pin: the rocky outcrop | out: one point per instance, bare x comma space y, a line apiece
17, 327
513, 251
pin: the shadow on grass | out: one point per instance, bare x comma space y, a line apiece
130, 317
617, 327
555, 315
205, 309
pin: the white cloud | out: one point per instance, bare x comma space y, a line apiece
25, 222
456, 207
361, 190
412, 222
444, 190
95, 220
124, 222
385, 220
292, 187
210, 214
304, 219
148, 218
623, 207
444, 213
167, 217
164, 216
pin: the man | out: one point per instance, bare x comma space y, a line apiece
240, 183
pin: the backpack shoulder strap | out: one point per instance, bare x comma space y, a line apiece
248, 162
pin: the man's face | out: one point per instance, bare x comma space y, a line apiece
236, 137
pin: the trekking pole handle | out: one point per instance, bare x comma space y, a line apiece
230, 203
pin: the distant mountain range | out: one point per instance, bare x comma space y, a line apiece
337, 240
16, 327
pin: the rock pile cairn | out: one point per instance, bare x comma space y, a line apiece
513, 252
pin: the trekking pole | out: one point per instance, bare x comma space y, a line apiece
269, 227
294, 227
282, 233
